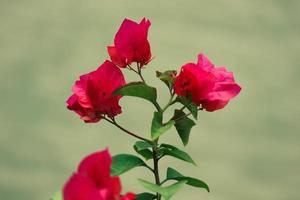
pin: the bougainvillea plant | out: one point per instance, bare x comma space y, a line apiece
199, 86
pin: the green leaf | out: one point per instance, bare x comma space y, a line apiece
142, 148
157, 127
172, 174
167, 77
57, 196
177, 153
141, 145
145, 196
166, 192
189, 105
124, 162
146, 153
138, 89
183, 126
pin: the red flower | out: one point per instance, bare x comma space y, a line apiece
209, 86
131, 44
93, 93
92, 181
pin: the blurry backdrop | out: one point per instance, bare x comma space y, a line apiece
250, 150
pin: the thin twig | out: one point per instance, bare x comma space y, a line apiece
158, 108
132, 69
140, 72
169, 103
183, 116
155, 167
113, 121
183, 107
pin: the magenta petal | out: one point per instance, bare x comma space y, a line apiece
222, 75
115, 57
115, 187
79, 88
204, 62
145, 24
84, 113
104, 81
131, 41
219, 98
79, 187
72, 104
112, 190
97, 167
224, 91
128, 196
211, 106
207, 85
108, 76
124, 40
93, 96
93, 181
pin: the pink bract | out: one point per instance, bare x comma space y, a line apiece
207, 85
131, 44
92, 181
93, 93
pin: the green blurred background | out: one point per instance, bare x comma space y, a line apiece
250, 150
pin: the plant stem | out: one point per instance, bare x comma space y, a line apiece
186, 115
181, 117
132, 69
138, 71
183, 107
155, 167
125, 130
169, 103
158, 108
155, 144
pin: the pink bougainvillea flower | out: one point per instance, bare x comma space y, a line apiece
207, 85
93, 93
131, 44
93, 181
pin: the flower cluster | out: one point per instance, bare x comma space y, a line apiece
96, 95
208, 86
131, 44
92, 96
93, 181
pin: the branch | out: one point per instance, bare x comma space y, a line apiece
155, 167
183, 116
138, 71
169, 102
113, 121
